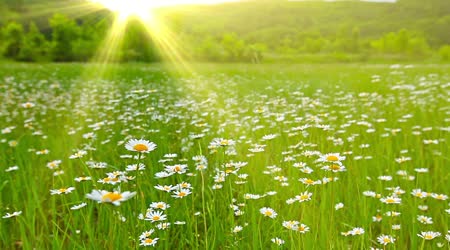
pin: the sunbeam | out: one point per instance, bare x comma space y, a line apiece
167, 42
108, 49
74, 9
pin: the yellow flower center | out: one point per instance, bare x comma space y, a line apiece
335, 167
268, 213
304, 197
387, 240
332, 158
111, 197
148, 241
428, 237
301, 228
160, 206
181, 194
63, 190
390, 200
177, 168
156, 217
140, 147
309, 181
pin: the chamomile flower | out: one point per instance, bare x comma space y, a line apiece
268, 212
424, 219
115, 197
419, 193
146, 234
163, 225
54, 164
14, 214
155, 216
302, 228
78, 154
149, 242
237, 229
391, 200
221, 142
334, 168
357, 231
141, 146
429, 235
339, 206
441, 197
79, 206
176, 169
277, 241
385, 239
62, 190
159, 205
309, 182
331, 157
181, 193
13, 168
135, 167
291, 225
305, 196
83, 178
28, 105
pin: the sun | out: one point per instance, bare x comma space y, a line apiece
140, 8
126, 8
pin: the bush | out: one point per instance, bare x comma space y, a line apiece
444, 53
13, 36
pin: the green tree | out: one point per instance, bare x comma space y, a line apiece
13, 38
90, 36
444, 53
355, 42
314, 45
209, 49
256, 52
418, 46
35, 46
137, 44
64, 33
233, 46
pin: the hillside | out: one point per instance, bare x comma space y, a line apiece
275, 26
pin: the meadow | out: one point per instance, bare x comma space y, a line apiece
231, 156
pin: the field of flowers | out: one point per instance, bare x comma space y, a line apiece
231, 157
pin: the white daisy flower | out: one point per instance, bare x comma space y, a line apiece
102, 196
141, 146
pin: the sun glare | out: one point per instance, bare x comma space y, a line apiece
142, 7
127, 7
166, 41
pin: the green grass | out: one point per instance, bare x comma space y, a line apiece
322, 109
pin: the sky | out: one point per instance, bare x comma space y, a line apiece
373, 1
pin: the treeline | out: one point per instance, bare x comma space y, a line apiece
250, 32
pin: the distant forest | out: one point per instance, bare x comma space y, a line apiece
248, 31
